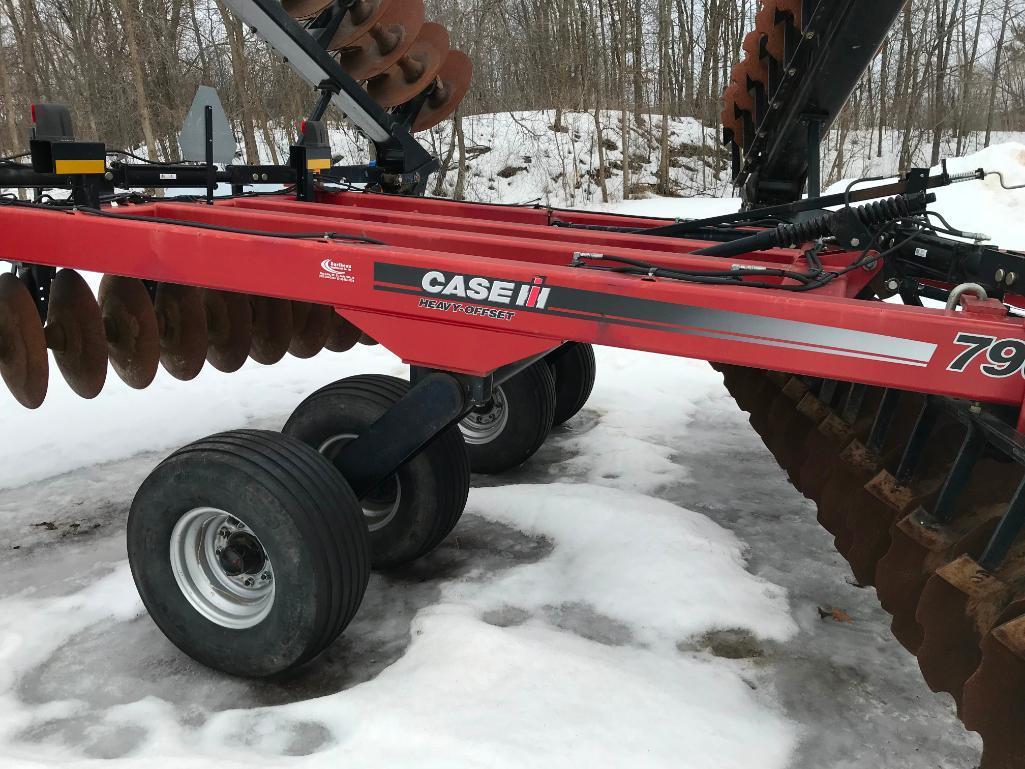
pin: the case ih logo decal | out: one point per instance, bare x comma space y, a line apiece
474, 296
533, 295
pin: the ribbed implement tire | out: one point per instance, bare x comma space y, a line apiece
574, 368
529, 398
432, 487
308, 521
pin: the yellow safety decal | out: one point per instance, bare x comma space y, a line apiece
318, 165
79, 167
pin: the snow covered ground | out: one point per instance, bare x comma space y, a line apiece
645, 592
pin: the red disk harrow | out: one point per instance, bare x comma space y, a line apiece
252, 550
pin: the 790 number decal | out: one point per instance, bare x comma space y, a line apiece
1003, 357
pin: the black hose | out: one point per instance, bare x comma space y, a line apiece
823, 225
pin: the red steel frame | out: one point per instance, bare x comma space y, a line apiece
823, 333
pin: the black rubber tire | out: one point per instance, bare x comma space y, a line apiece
433, 486
530, 399
311, 527
575, 370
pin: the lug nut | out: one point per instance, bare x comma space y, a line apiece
249, 582
265, 576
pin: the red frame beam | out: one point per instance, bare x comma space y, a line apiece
470, 300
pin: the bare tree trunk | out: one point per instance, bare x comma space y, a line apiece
460, 190
996, 74
128, 11
236, 41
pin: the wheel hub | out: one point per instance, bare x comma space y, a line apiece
242, 555
222, 568
485, 423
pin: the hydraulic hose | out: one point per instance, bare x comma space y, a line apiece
827, 223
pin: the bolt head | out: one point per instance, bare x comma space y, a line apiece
265, 576
218, 551
250, 582
855, 242
1011, 278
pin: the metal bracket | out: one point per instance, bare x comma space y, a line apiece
815, 121
436, 402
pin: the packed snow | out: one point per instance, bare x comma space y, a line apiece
625, 600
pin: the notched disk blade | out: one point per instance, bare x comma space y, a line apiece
363, 15
414, 71
451, 85
386, 42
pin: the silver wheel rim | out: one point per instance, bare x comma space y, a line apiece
236, 601
484, 425
380, 506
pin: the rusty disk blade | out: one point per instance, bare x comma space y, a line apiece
183, 338
794, 7
311, 327
414, 71
450, 87
272, 329
130, 323
960, 604
386, 42
742, 95
229, 322
75, 333
992, 704
358, 21
343, 335
305, 9
23, 363
368, 340
731, 119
